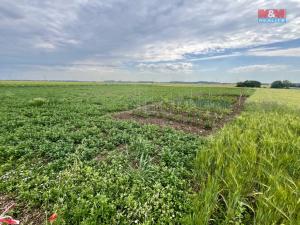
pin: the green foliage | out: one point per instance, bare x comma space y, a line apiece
61, 151
281, 84
38, 101
267, 96
249, 173
249, 83
203, 110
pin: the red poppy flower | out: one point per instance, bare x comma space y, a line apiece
53, 217
9, 220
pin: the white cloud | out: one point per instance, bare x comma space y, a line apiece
258, 68
165, 67
290, 52
89, 68
45, 45
217, 57
115, 33
139, 31
295, 71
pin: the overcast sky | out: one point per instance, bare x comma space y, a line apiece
154, 40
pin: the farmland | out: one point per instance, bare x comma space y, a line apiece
249, 173
68, 148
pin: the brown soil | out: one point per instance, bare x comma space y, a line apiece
186, 127
101, 157
25, 214
135, 164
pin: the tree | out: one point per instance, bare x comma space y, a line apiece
277, 84
240, 84
249, 83
286, 84
281, 84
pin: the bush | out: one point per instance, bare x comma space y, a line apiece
281, 84
295, 85
286, 84
249, 83
277, 84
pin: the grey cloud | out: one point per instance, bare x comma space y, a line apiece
117, 32
7, 13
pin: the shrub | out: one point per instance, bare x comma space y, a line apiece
249, 83
277, 84
281, 84
286, 84
296, 85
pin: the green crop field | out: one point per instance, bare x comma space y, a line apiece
249, 172
67, 148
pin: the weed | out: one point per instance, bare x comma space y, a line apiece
38, 101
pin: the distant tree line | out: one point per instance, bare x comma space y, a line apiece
249, 83
275, 84
296, 85
281, 84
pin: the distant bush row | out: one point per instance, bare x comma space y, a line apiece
249, 83
281, 84
275, 84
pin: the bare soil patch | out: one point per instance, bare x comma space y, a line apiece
182, 126
21, 212
101, 157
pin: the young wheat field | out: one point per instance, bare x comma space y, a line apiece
97, 153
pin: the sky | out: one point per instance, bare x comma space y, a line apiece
157, 40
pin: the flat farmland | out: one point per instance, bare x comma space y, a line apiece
147, 154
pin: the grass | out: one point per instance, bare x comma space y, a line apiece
249, 172
11, 83
62, 151
285, 97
